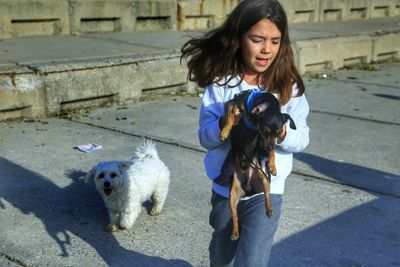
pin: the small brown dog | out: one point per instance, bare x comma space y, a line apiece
252, 139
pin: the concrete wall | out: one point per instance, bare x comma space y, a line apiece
203, 14
34, 17
328, 10
70, 17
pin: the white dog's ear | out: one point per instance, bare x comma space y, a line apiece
90, 175
125, 165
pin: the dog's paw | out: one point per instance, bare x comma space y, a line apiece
111, 228
223, 135
125, 224
270, 214
234, 236
154, 212
272, 171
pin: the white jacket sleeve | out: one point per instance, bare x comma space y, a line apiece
212, 109
296, 140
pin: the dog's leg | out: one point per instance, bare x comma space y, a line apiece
266, 187
113, 225
228, 120
271, 162
235, 194
159, 196
129, 216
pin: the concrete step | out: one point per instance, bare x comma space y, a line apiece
42, 76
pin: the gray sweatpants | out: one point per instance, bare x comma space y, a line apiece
257, 231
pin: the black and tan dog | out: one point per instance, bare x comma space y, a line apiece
252, 139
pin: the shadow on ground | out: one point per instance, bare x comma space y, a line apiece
366, 235
74, 209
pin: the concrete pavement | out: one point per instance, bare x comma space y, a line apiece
341, 205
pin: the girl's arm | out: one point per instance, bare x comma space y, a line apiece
296, 140
212, 108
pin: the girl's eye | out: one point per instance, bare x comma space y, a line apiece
113, 175
276, 42
256, 40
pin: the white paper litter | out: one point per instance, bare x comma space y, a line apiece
88, 148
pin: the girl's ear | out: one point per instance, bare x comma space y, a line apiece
90, 175
259, 108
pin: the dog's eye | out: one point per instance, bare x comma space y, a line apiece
113, 175
267, 130
101, 175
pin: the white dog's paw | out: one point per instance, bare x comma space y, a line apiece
111, 228
155, 212
126, 223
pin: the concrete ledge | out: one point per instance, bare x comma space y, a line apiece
32, 18
101, 16
21, 93
191, 15
301, 10
70, 17
203, 14
386, 46
155, 14
337, 52
339, 10
47, 89
383, 8
333, 53
397, 8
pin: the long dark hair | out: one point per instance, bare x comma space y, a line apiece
216, 56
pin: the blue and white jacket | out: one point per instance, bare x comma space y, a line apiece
212, 109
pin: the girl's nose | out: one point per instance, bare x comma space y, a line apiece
266, 48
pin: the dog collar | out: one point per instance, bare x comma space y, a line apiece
253, 94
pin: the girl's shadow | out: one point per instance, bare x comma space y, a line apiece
352, 236
354, 175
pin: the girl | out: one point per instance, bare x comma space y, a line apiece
250, 50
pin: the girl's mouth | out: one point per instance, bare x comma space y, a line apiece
262, 62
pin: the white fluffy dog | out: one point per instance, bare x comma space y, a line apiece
125, 185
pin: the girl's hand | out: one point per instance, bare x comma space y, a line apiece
282, 136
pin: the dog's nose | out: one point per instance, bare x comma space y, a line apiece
107, 184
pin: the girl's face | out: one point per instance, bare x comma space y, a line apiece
259, 47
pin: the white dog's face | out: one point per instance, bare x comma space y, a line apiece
109, 176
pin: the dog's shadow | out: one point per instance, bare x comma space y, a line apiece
148, 205
76, 209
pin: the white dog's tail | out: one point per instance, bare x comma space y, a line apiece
146, 148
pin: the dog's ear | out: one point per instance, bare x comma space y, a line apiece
90, 175
124, 165
259, 108
286, 117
